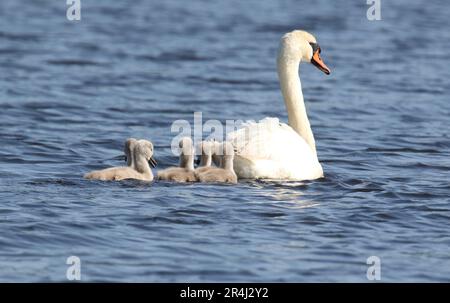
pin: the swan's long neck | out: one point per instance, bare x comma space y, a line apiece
187, 161
291, 88
141, 163
130, 156
227, 163
129, 153
205, 160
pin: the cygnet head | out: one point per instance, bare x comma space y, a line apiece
142, 156
187, 153
144, 148
228, 149
152, 162
302, 46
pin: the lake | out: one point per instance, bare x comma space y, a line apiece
71, 92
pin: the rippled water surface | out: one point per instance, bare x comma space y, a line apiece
72, 92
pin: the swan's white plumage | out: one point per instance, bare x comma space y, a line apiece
269, 149
273, 150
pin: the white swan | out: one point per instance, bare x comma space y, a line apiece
185, 172
139, 153
273, 150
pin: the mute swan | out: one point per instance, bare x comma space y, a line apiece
206, 158
185, 172
273, 150
225, 173
140, 152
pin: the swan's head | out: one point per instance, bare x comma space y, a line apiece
299, 45
145, 148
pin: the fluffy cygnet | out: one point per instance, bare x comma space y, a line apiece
185, 172
139, 153
224, 174
129, 153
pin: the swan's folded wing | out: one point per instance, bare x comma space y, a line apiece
270, 149
267, 139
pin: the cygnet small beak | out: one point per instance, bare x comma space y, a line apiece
152, 162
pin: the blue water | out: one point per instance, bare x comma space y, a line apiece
72, 92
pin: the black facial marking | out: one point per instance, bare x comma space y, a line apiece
315, 47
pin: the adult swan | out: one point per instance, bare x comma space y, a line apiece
273, 150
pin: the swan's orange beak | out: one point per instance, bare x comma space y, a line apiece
317, 62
